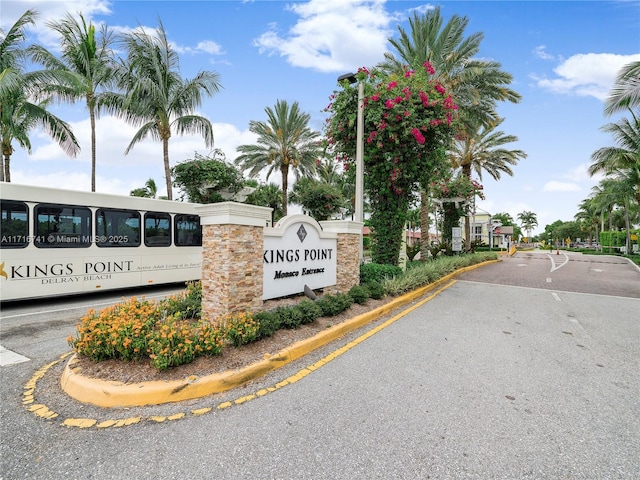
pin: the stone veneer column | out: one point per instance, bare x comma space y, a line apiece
232, 256
348, 256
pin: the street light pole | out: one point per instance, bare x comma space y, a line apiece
359, 207
359, 200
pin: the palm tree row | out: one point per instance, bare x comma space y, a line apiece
145, 88
620, 164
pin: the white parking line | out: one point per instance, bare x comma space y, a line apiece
7, 357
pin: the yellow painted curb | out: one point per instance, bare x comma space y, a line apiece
105, 393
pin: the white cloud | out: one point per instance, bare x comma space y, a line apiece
580, 173
541, 52
422, 9
332, 35
555, 186
204, 47
587, 74
211, 47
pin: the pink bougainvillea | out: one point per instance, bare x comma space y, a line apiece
409, 118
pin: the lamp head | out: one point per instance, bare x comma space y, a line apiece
351, 77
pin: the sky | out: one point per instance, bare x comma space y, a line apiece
563, 56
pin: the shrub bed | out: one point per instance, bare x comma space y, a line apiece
173, 332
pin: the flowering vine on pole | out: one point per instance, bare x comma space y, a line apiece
409, 119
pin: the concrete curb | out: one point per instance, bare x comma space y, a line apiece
105, 393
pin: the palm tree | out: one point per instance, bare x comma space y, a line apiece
13, 53
528, 221
606, 197
284, 142
617, 190
624, 158
589, 213
150, 190
85, 68
329, 171
158, 99
475, 84
625, 93
483, 150
19, 114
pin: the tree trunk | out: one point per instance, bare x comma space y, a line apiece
467, 232
424, 225
7, 169
284, 169
627, 224
466, 170
167, 169
92, 118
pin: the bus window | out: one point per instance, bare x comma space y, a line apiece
117, 228
188, 232
157, 229
61, 226
14, 229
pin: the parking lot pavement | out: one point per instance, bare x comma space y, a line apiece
563, 271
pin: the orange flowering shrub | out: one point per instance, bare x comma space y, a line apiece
240, 328
120, 331
175, 342
162, 332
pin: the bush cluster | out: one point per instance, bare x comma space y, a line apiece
419, 274
375, 272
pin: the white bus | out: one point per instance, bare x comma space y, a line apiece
61, 242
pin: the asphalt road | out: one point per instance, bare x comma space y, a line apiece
513, 372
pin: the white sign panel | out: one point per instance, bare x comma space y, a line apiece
297, 253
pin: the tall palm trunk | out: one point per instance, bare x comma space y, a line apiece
92, 118
284, 169
4, 170
167, 169
7, 171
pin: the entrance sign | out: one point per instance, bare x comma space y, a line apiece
297, 252
456, 239
244, 261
